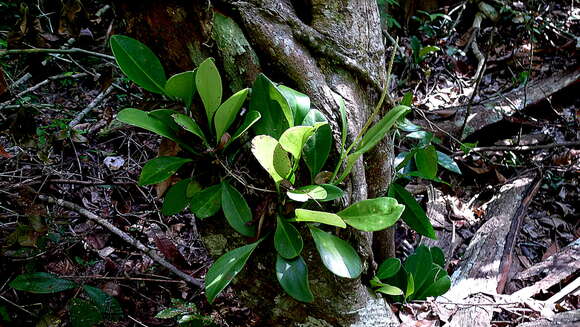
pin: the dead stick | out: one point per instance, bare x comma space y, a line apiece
91, 106
72, 50
518, 147
126, 237
511, 237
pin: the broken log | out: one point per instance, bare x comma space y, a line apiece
553, 270
504, 105
477, 278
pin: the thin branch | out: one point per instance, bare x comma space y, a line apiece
126, 237
72, 50
96, 101
519, 147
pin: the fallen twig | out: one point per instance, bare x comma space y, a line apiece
126, 237
38, 50
91, 106
519, 147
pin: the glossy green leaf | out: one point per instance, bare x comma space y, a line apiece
323, 193
236, 210
294, 138
209, 86
41, 283
83, 313
408, 126
317, 148
108, 306
182, 87
380, 129
159, 169
225, 268
410, 290
146, 121
419, 264
438, 256
138, 63
271, 157
226, 114
293, 277
373, 214
447, 162
426, 161
250, 119
190, 125
319, 217
414, 215
207, 202
287, 239
389, 290
336, 254
351, 159
389, 268
299, 103
435, 288
273, 107
176, 198
419, 135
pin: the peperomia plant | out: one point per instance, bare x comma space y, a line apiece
288, 132
422, 275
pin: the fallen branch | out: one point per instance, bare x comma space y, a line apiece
519, 148
72, 50
39, 85
126, 237
91, 106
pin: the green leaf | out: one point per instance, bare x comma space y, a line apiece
389, 290
207, 202
146, 121
426, 161
350, 161
83, 313
419, 135
169, 313
182, 87
294, 138
425, 51
272, 157
224, 269
378, 131
319, 217
317, 148
373, 214
309, 192
389, 268
108, 306
190, 125
4, 315
419, 264
293, 277
41, 283
408, 101
447, 162
287, 239
272, 105
438, 286
236, 210
159, 169
410, 290
209, 87
249, 120
414, 215
408, 126
336, 254
438, 256
176, 198
228, 111
299, 103
138, 63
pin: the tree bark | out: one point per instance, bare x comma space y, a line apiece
323, 48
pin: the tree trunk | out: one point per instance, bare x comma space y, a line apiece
322, 48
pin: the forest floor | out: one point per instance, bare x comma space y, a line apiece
47, 148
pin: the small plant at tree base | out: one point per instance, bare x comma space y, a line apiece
186, 314
288, 131
97, 307
422, 275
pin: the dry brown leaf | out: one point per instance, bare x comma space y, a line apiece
550, 250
